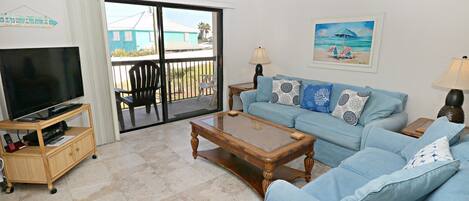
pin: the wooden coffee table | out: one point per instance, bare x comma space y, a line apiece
252, 148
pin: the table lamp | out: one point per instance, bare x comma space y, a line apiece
456, 79
258, 58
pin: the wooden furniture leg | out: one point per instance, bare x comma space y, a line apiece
268, 175
230, 100
10, 188
309, 163
195, 144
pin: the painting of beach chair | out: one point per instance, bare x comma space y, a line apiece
333, 51
346, 53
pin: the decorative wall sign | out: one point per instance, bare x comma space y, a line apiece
35, 19
347, 44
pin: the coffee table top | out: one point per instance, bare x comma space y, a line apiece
252, 130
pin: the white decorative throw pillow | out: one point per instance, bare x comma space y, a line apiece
436, 151
286, 92
350, 106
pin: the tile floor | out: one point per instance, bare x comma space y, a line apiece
150, 164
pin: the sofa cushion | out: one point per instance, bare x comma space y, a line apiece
401, 96
304, 82
264, 89
439, 128
406, 184
337, 89
455, 189
350, 106
373, 162
461, 151
286, 92
379, 105
329, 128
436, 151
335, 184
317, 98
281, 114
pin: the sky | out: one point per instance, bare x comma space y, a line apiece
364, 28
190, 18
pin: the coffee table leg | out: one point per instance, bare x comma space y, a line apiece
268, 175
195, 144
309, 163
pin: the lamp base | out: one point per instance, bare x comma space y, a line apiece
258, 73
453, 106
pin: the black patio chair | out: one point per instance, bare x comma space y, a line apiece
144, 82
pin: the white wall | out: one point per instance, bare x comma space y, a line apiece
70, 31
419, 39
241, 28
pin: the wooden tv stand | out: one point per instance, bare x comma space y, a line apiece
42, 164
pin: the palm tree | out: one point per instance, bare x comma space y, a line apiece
204, 29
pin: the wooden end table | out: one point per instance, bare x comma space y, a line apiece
245, 152
418, 127
236, 89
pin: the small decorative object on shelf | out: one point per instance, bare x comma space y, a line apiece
258, 58
456, 79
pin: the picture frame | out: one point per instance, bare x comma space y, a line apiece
347, 43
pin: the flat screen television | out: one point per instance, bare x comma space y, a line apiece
38, 78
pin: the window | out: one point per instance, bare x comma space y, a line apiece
128, 36
186, 37
116, 36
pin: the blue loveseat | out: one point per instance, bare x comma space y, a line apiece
336, 140
368, 164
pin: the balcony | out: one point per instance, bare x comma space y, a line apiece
186, 79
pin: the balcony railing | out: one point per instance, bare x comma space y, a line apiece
183, 76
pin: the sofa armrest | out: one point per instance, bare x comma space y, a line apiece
395, 122
282, 191
384, 139
247, 97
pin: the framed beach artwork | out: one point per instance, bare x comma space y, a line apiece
347, 43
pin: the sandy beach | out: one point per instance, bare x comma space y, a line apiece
358, 57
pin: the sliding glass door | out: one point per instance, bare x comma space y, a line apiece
179, 44
191, 61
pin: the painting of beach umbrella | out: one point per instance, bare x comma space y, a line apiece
346, 52
346, 42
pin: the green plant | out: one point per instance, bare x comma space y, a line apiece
142, 52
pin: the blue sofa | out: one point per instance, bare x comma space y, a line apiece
336, 140
368, 164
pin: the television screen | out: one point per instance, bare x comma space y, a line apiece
38, 78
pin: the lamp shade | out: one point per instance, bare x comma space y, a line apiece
259, 56
457, 76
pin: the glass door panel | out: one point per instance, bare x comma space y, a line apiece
132, 39
190, 52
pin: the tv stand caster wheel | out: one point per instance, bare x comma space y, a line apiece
53, 191
9, 190
94, 156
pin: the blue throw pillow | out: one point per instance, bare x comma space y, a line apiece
406, 184
317, 98
264, 89
440, 128
379, 106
